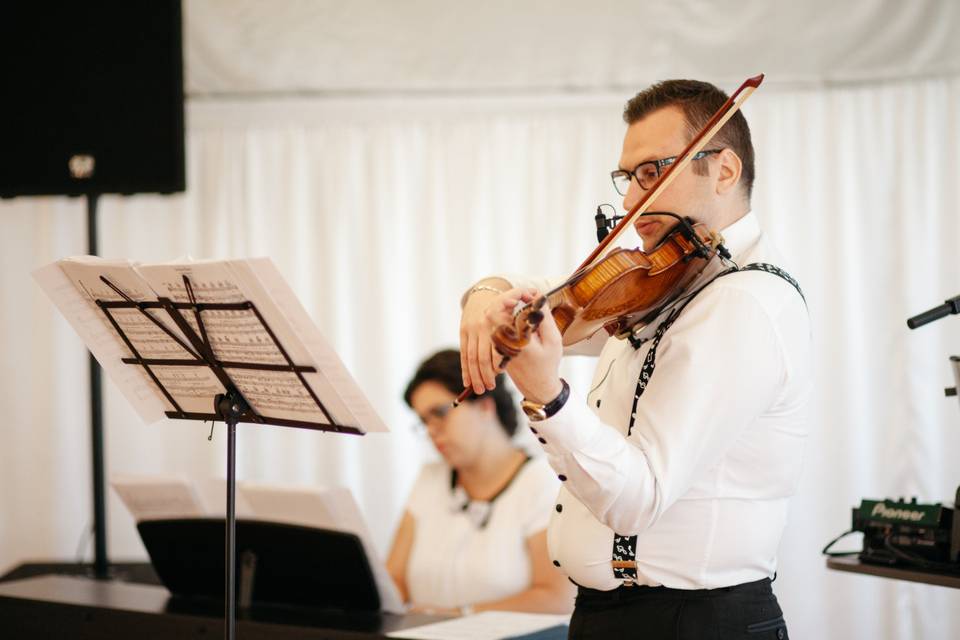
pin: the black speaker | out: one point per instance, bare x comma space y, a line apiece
92, 97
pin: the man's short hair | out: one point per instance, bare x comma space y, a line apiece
698, 101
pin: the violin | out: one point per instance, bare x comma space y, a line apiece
615, 286
624, 284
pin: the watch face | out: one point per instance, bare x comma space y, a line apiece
534, 411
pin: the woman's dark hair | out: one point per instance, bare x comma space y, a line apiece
443, 367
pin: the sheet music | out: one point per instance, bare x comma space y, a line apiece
262, 280
213, 496
193, 388
172, 497
239, 336
92, 327
158, 497
486, 625
278, 394
147, 338
327, 508
233, 335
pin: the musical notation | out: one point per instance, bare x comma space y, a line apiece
238, 336
192, 387
269, 392
174, 371
147, 338
217, 290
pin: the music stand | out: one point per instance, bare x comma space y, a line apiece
230, 407
167, 335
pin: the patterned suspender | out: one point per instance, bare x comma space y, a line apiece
625, 547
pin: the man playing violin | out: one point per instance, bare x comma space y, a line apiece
678, 463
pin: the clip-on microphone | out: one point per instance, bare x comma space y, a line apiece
604, 224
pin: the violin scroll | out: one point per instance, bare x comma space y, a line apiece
510, 339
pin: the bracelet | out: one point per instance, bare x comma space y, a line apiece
483, 287
467, 610
474, 289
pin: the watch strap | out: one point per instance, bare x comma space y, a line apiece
549, 409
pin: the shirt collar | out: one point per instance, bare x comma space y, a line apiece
742, 234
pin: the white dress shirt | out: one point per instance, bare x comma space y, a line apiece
454, 561
717, 443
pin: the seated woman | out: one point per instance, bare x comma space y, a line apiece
473, 536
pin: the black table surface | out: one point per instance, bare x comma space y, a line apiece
138, 572
58, 606
853, 564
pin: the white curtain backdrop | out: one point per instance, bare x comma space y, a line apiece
438, 46
381, 211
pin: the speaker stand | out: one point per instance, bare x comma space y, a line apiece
101, 566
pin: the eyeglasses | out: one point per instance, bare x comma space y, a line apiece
437, 413
647, 172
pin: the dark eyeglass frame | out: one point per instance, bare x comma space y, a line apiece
438, 412
658, 165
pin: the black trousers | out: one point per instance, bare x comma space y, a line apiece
745, 611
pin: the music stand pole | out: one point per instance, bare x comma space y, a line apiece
230, 406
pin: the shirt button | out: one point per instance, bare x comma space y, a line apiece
557, 564
562, 477
542, 441
533, 430
598, 403
559, 508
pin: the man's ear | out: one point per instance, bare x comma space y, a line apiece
730, 169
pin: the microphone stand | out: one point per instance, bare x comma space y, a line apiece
950, 306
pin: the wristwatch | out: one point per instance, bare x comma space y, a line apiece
537, 412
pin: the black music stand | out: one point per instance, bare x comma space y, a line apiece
230, 406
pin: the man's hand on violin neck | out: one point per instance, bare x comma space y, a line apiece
483, 311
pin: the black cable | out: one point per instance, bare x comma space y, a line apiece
83, 546
836, 554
